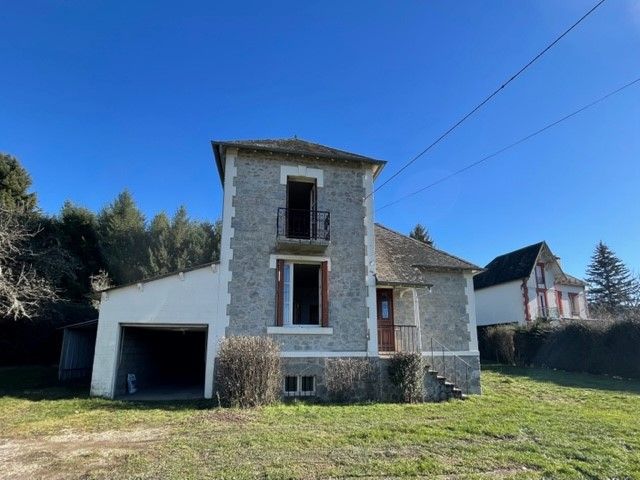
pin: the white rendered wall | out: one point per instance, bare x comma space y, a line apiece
182, 299
500, 304
582, 301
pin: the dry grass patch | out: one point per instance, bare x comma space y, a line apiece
529, 423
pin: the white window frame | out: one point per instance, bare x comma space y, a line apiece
299, 392
287, 307
574, 297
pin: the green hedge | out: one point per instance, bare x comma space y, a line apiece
593, 347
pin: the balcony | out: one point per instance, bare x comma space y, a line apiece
303, 230
549, 313
398, 338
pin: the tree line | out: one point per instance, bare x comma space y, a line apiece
48, 259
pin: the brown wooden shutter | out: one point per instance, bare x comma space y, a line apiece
325, 294
279, 292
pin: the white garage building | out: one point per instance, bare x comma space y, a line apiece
162, 331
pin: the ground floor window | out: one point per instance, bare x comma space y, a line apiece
299, 385
560, 307
573, 302
543, 311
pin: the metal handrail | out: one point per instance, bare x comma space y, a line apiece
456, 358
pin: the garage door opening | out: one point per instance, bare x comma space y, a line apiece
168, 362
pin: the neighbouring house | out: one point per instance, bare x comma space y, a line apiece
528, 285
303, 262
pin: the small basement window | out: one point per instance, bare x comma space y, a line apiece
290, 385
299, 386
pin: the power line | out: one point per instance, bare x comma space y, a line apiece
486, 100
514, 144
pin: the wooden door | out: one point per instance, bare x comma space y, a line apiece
386, 333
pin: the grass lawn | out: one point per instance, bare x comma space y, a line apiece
529, 423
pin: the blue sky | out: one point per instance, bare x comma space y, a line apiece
100, 96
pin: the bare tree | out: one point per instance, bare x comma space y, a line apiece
99, 283
22, 290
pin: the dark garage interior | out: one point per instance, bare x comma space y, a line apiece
168, 362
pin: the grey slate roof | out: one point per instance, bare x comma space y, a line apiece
399, 259
293, 146
508, 267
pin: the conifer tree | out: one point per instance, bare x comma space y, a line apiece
123, 239
78, 234
14, 185
421, 233
159, 245
611, 285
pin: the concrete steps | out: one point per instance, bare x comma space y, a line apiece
445, 390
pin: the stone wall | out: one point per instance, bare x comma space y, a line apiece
382, 389
403, 311
443, 311
259, 194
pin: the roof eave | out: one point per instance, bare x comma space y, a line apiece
218, 157
400, 283
158, 277
219, 148
499, 283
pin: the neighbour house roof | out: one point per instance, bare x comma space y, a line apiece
517, 265
511, 266
292, 146
401, 260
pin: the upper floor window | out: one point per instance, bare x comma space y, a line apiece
540, 274
302, 201
302, 293
300, 218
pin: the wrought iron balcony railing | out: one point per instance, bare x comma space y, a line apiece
303, 224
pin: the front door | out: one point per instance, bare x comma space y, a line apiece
386, 334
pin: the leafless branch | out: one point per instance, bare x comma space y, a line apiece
22, 290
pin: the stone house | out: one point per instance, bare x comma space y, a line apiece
302, 262
527, 285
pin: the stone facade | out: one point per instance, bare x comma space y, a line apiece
442, 310
378, 387
258, 195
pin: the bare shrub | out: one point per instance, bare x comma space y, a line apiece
350, 380
497, 344
406, 371
248, 371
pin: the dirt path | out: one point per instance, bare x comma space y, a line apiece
71, 455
